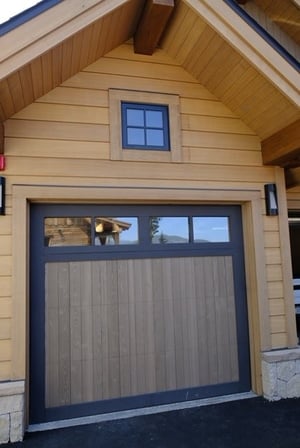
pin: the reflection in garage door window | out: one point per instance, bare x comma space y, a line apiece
169, 230
67, 231
108, 231
112, 231
211, 229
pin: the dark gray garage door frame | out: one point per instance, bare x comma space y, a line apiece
41, 254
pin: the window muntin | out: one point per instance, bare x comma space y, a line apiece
77, 231
145, 126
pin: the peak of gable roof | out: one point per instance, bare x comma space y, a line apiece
206, 37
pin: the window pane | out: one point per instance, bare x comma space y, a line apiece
135, 136
169, 230
154, 119
211, 229
67, 231
155, 137
111, 231
135, 117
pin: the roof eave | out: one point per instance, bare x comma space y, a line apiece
37, 36
250, 45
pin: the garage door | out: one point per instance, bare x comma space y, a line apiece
133, 306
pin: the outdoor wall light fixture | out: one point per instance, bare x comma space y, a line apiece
271, 200
2, 195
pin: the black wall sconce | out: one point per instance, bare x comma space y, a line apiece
2, 195
271, 200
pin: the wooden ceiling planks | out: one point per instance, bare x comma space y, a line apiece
220, 68
49, 70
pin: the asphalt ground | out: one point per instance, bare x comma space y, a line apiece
248, 423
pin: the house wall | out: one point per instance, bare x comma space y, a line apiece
62, 141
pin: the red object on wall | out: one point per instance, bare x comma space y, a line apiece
2, 162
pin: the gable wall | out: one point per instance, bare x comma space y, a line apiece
63, 139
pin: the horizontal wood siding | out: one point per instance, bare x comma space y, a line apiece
5, 297
63, 139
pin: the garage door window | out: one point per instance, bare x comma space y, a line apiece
211, 229
113, 231
67, 231
168, 230
141, 232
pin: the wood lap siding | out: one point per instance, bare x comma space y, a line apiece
63, 139
275, 285
129, 327
5, 296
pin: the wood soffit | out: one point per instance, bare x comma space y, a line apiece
283, 147
292, 177
186, 30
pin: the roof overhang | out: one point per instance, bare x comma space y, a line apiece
35, 48
250, 45
45, 31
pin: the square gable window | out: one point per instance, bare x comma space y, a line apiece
145, 126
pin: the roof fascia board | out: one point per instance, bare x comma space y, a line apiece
30, 40
26, 15
250, 45
263, 32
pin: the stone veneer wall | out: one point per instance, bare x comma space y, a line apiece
11, 411
281, 374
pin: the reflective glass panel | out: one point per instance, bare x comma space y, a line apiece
71, 231
112, 231
155, 137
211, 229
135, 136
169, 230
154, 119
135, 117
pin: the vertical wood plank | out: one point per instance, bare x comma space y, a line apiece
52, 339
75, 334
64, 333
85, 288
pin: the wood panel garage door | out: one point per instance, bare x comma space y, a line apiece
133, 306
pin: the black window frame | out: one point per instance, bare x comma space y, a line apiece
163, 108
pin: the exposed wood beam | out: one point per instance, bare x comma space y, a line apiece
283, 148
1, 138
152, 25
292, 177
